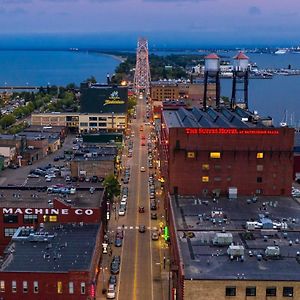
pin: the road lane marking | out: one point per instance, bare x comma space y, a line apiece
131, 227
136, 237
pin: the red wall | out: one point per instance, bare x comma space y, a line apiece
69, 218
237, 166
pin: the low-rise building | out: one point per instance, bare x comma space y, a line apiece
246, 248
220, 151
52, 262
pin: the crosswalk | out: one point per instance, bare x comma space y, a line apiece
136, 227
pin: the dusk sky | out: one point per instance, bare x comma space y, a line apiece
163, 21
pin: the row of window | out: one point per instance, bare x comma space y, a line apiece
27, 219
206, 167
217, 178
97, 119
287, 291
13, 218
35, 286
216, 155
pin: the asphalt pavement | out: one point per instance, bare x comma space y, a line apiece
143, 273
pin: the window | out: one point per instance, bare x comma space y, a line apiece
53, 218
2, 286
84, 124
9, 231
30, 219
288, 291
271, 291
82, 288
217, 179
10, 218
230, 291
71, 287
25, 287
215, 155
259, 179
259, 155
217, 167
251, 291
191, 154
205, 179
93, 124
13, 286
102, 124
35, 287
102, 119
259, 168
205, 167
228, 178
93, 118
59, 287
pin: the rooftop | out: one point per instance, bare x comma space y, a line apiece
62, 248
273, 224
213, 118
32, 195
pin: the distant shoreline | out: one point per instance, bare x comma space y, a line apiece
116, 57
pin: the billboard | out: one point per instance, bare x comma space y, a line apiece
103, 99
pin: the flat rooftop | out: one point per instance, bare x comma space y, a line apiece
63, 248
36, 196
212, 118
197, 225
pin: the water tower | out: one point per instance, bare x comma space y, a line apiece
212, 75
240, 79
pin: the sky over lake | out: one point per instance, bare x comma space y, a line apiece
226, 21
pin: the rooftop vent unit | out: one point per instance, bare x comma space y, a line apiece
272, 251
223, 239
236, 250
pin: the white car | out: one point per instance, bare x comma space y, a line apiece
111, 293
123, 202
48, 179
143, 169
50, 176
121, 212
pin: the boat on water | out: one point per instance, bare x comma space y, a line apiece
280, 51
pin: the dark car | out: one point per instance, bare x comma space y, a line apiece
117, 259
141, 209
114, 268
81, 178
153, 205
112, 280
94, 179
118, 242
142, 228
119, 234
154, 216
56, 158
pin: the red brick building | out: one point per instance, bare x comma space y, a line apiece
55, 262
30, 207
209, 152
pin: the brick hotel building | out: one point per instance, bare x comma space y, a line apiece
207, 152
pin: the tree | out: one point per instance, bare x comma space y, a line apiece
91, 79
7, 120
112, 186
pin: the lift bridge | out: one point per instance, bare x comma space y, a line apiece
142, 69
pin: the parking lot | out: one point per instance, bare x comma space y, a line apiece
19, 176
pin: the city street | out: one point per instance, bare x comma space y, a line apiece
142, 274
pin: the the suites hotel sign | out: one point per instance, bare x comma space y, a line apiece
230, 131
47, 211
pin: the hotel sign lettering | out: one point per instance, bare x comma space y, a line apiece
230, 131
47, 211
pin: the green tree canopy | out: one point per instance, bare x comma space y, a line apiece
112, 186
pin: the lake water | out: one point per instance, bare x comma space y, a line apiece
53, 67
270, 97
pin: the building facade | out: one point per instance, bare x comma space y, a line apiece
208, 152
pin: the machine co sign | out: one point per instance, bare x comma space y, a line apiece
231, 131
46, 211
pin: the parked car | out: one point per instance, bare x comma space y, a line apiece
114, 268
111, 293
118, 242
112, 280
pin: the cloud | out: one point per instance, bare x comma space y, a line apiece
254, 11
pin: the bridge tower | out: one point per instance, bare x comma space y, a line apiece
142, 69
